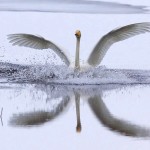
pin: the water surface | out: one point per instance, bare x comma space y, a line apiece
85, 116
72, 6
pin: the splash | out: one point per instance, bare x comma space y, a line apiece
63, 75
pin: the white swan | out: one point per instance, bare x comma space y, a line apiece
99, 50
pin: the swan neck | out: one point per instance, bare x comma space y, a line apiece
77, 59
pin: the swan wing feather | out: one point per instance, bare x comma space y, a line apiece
37, 42
114, 36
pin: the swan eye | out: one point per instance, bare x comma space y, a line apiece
78, 33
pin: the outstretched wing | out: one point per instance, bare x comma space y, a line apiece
114, 36
37, 42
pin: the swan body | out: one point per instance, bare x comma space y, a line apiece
97, 53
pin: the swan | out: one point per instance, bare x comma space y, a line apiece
98, 52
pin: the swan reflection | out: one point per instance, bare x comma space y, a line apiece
77, 101
118, 125
94, 98
38, 117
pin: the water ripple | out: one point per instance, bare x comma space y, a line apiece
66, 6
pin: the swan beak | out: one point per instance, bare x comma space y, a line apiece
78, 34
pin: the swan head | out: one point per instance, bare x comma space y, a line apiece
78, 34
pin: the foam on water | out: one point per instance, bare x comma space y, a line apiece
64, 75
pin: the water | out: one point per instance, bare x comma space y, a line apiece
73, 6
